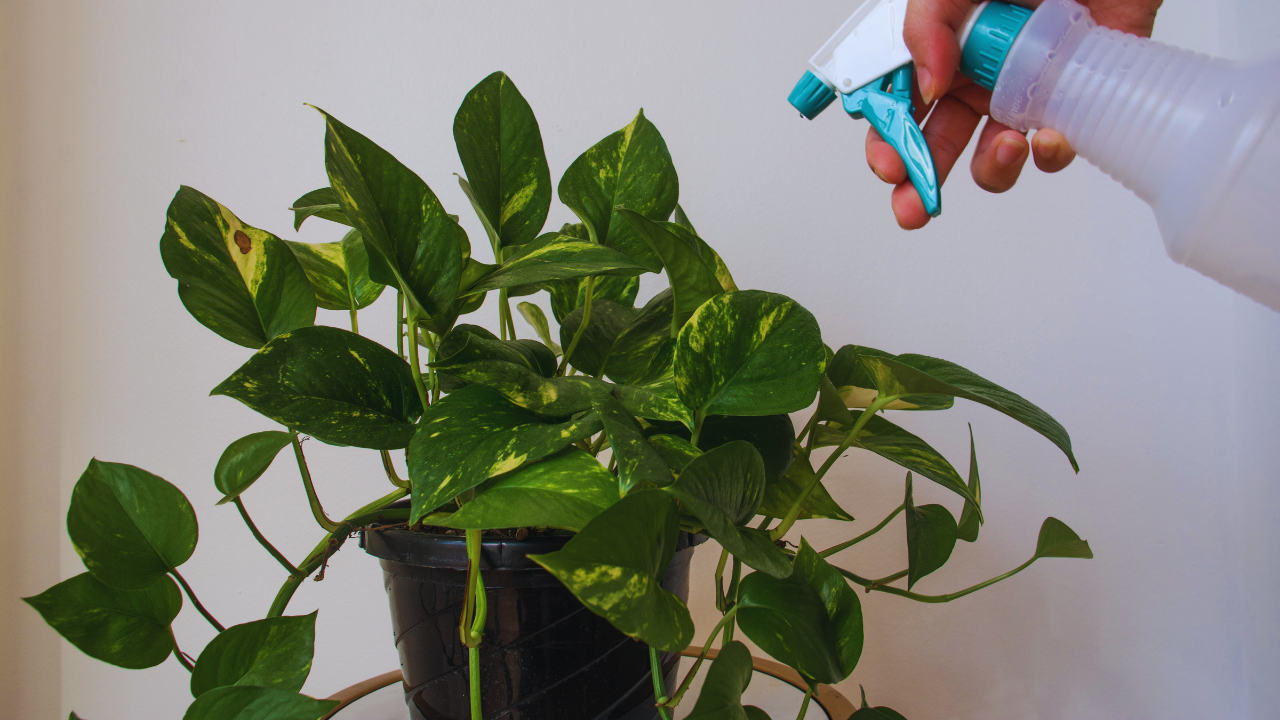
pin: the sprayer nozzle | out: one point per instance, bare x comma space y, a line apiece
811, 96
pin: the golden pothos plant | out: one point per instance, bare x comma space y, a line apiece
626, 426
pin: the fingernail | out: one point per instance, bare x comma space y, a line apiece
925, 79
877, 172
1050, 149
1008, 152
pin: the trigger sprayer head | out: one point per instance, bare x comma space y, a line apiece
811, 96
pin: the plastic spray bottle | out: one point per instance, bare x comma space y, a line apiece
1195, 137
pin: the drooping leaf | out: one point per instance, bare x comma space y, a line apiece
322, 203
931, 536
722, 270
569, 295
621, 581
127, 628
500, 147
413, 243
723, 488
631, 168
245, 702
857, 388
475, 434
779, 496
565, 490
811, 620
692, 277
592, 354
749, 353
644, 349
334, 385
1058, 540
639, 463
240, 282
130, 527
471, 343
244, 461
538, 321
970, 518
831, 406
920, 375
727, 678
557, 257
338, 272
675, 451
273, 653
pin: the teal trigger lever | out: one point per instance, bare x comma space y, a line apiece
868, 65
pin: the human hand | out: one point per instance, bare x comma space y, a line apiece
930, 34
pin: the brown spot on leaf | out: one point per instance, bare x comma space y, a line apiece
243, 242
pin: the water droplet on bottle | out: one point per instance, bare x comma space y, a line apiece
1226, 99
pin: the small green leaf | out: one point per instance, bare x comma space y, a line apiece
322, 203
273, 653
857, 388
500, 146
866, 712
749, 353
334, 385
811, 620
538, 321
240, 282
892, 442
592, 354
723, 488
970, 518
130, 527
644, 350
338, 272
557, 257
475, 434
471, 343
692, 276
127, 628
245, 702
621, 581
675, 451
727, 678
569, 295
779, 496
565, 490
631, 168
1058, 540
244, 461
831, 406
931, 536
639, 463
722, 270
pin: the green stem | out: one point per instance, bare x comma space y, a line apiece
793, 513
721, 604
890, 578
808, 432
804, 706
698, 418
764, 523
473, 681
473, 619
706, 648
659, 692
355, 324
194, 600
182, 658
582, 327
390, 469
316, 509
400, 323
432, 375
732, 599
263, 540
850, 543
873, 585
415, 366
503, 311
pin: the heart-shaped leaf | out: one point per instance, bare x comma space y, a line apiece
338, 272
621, 581
127, 628
857, 388
592, 354
245, 702
727, 678
334, 385
244, 461
722, 270
970, 518
639, 463
779, 496
1058, 540
565, 490
130, 527
557, 257
931, 536
240, 282
471, 343
723, 488
475, 434
322, 203
631, 168
692, 277
538, 321
644, 349
749, 353
569, 295
811, 620
273, 653
413, 243
500, 146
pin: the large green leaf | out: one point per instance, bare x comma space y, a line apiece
339, 272
639, 463
569, 295
240, 282
727, 678
592, 354
631, 168
245, 702
644, 349
779, 496
749, 353
413, 243
931, 536
722, 270
621, 581
334, 385
811, 620
557, 257
127, 628
538, 321
471, 343
772, 435
244, 461
908, 375
1058, 540
130, 527
857, 388
723, 488
501, 151
322, 203
692, 276
970, 517
565, 490
475, 434
274, 653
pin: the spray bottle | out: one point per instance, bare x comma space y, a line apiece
1193, 136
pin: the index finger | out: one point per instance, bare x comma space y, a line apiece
929, 30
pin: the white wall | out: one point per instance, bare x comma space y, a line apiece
1060, 290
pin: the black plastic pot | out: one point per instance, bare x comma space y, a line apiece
545, 656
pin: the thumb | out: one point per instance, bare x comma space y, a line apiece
930, 33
